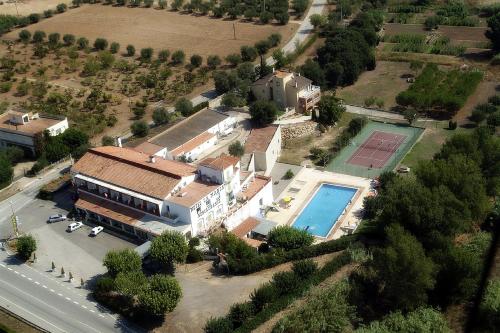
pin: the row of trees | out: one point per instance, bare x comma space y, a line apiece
347, 51
7, 22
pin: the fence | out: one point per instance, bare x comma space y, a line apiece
340, 165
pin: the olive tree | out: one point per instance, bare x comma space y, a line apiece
169, 247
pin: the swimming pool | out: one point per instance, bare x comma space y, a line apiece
324, 209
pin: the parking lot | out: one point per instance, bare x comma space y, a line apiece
77, 252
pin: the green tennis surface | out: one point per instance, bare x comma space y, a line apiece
341, 162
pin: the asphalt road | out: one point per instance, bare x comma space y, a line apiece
51, 304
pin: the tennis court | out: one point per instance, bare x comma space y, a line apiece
377, 148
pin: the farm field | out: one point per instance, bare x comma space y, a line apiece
159, 29
384, 82
26, 7
474, 34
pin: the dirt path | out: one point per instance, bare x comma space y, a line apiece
343, 272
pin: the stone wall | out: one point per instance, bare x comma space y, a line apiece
297, 130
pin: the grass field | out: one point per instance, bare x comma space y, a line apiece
384, 82
159, 29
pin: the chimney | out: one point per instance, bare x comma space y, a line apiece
119, 141
296, 84
152, 159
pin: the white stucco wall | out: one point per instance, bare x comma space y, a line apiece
58, 128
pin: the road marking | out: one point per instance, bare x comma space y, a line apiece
92, 311
27, 294
23, 275
34, 315
30, 279
16, 272
69, 299
101, 315
52, 290
83, 306
36, 282
76, 302
2, 265
9, 268
59, 295
44, 286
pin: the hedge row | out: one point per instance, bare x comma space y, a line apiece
273, 297
257, 263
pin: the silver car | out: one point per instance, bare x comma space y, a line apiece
57, 218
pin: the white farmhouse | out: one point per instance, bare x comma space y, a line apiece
262, 148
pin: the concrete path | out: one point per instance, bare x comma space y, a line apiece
373, 113
296, 120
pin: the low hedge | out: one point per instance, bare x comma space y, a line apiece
276, 298
259, 262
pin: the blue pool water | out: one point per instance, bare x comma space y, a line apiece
321, 213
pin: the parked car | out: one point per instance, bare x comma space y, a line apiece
57, 218
96, 230
73, 226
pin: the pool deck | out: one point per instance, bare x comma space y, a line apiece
303, 187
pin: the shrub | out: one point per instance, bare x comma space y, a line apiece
139, 128
61, 8
288, 174
34, 18
146, 54
218, 325
104, 284
304, 268
100, 44
240, 312
163, 55
69, 39
25, 36
264, 295
234, 59
184, 107
490, 305
38, 36
196, 60
114, 47
274, 39
107, 141
248, 53
178, 57
236, 149
288, 238
213, 61
122, 262
54, 38
5, 87
130, 50
26, 245
169, 247
82, 43
286, 282
264, 112
162, 295
194, 255
161, 116
48, 13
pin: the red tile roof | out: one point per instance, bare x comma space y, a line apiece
132, 170
193, 193
245, 227
148, 148
221, 162
260, 138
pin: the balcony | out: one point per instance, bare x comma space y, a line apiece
132, 202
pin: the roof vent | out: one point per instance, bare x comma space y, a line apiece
152, 159
183, 194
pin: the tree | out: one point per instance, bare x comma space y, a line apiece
162, 4
82, 43
262, 46
100, 44
404, 270
161, 295
317, 20
34, 18
196, 60
246, 71
61, 8
274, 39
161, 116
178, 57
106, 58
213, 61
184, 107
299, 6
248, 53
56, 150
38, 36
420, 320
69, 39
139, 128
6, 172
410, 116
313, 71
114, 47
234, 59
25, 246
432, 22
73, 138
177, 4
122, 261
489, 309
288, 238
54, 39
146, 54
25, 36
130, 50
330, 110
130, 283
107, 141
163, 55
236, 149
169, 247
264, 113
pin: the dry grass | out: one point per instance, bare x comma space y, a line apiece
160, 29
26, 7
475, 34
385, 82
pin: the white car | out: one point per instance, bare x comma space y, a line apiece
96, 230
73, 226
56, 218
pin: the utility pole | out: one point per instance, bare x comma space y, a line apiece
234, 31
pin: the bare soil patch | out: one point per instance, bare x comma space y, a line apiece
475, 34
159, 29
385, 82
26, 7
15, 324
